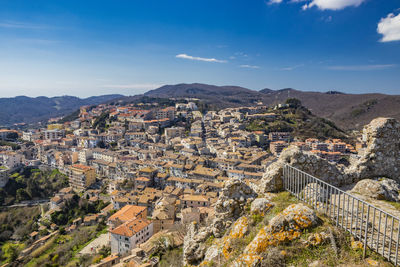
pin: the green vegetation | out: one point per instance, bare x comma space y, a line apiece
18, 223
364, 107
62, 250
299, 254
299, 121
101, 122
71, 117
76, 207
14, 146
32, 184
172, 258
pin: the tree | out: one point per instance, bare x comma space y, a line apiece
10, 252
12, 136
293, 102
22, 195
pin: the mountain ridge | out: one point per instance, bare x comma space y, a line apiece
348, 111
24, 109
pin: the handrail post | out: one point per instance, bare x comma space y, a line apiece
366, 233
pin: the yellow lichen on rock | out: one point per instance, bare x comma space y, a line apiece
238, 230
317, 239
356, 244
284, 227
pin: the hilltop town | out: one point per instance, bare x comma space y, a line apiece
124, 177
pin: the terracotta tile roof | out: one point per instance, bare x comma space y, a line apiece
127, 213
131, 227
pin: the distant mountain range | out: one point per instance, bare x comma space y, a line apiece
30, 110
348, 111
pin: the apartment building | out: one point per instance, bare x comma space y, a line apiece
10, 159
165, 113
277, 147
174, 132
194, 201
279, 136
54, 134
4, 133
129, 235
4, 177
81, 176
126, 214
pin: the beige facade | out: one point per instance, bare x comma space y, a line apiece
81, 176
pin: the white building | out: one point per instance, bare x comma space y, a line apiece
129, 235
10, 159
53, 134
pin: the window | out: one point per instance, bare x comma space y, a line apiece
126, 239
127, 245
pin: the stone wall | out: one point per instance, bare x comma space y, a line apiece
381, 158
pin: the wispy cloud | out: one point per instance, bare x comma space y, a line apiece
362, 67
271, 2
185, 56
389, 27
249, 66
133, 86
332, 4
21, 25
292, 67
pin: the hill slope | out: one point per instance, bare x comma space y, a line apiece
223, 96
29, 110
346, 110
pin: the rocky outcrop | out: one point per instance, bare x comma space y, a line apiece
231, 204
379, 159
194, 247
284, 227
306, 161
382, 154
260, 206
222, 248
381, 189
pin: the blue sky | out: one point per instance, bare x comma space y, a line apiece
98, 47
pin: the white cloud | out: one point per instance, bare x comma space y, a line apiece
270, 2
332, 4
292, 67
389, 27
363, 67
249, 66
185, 56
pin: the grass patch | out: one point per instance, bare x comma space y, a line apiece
396, 205
172, 257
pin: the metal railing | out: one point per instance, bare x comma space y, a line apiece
372, 226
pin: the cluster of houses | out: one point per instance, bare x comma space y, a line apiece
160, 171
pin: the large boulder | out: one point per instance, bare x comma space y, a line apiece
286, 226
231, 205
194, 247
260, 206
381, 156
381, 189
